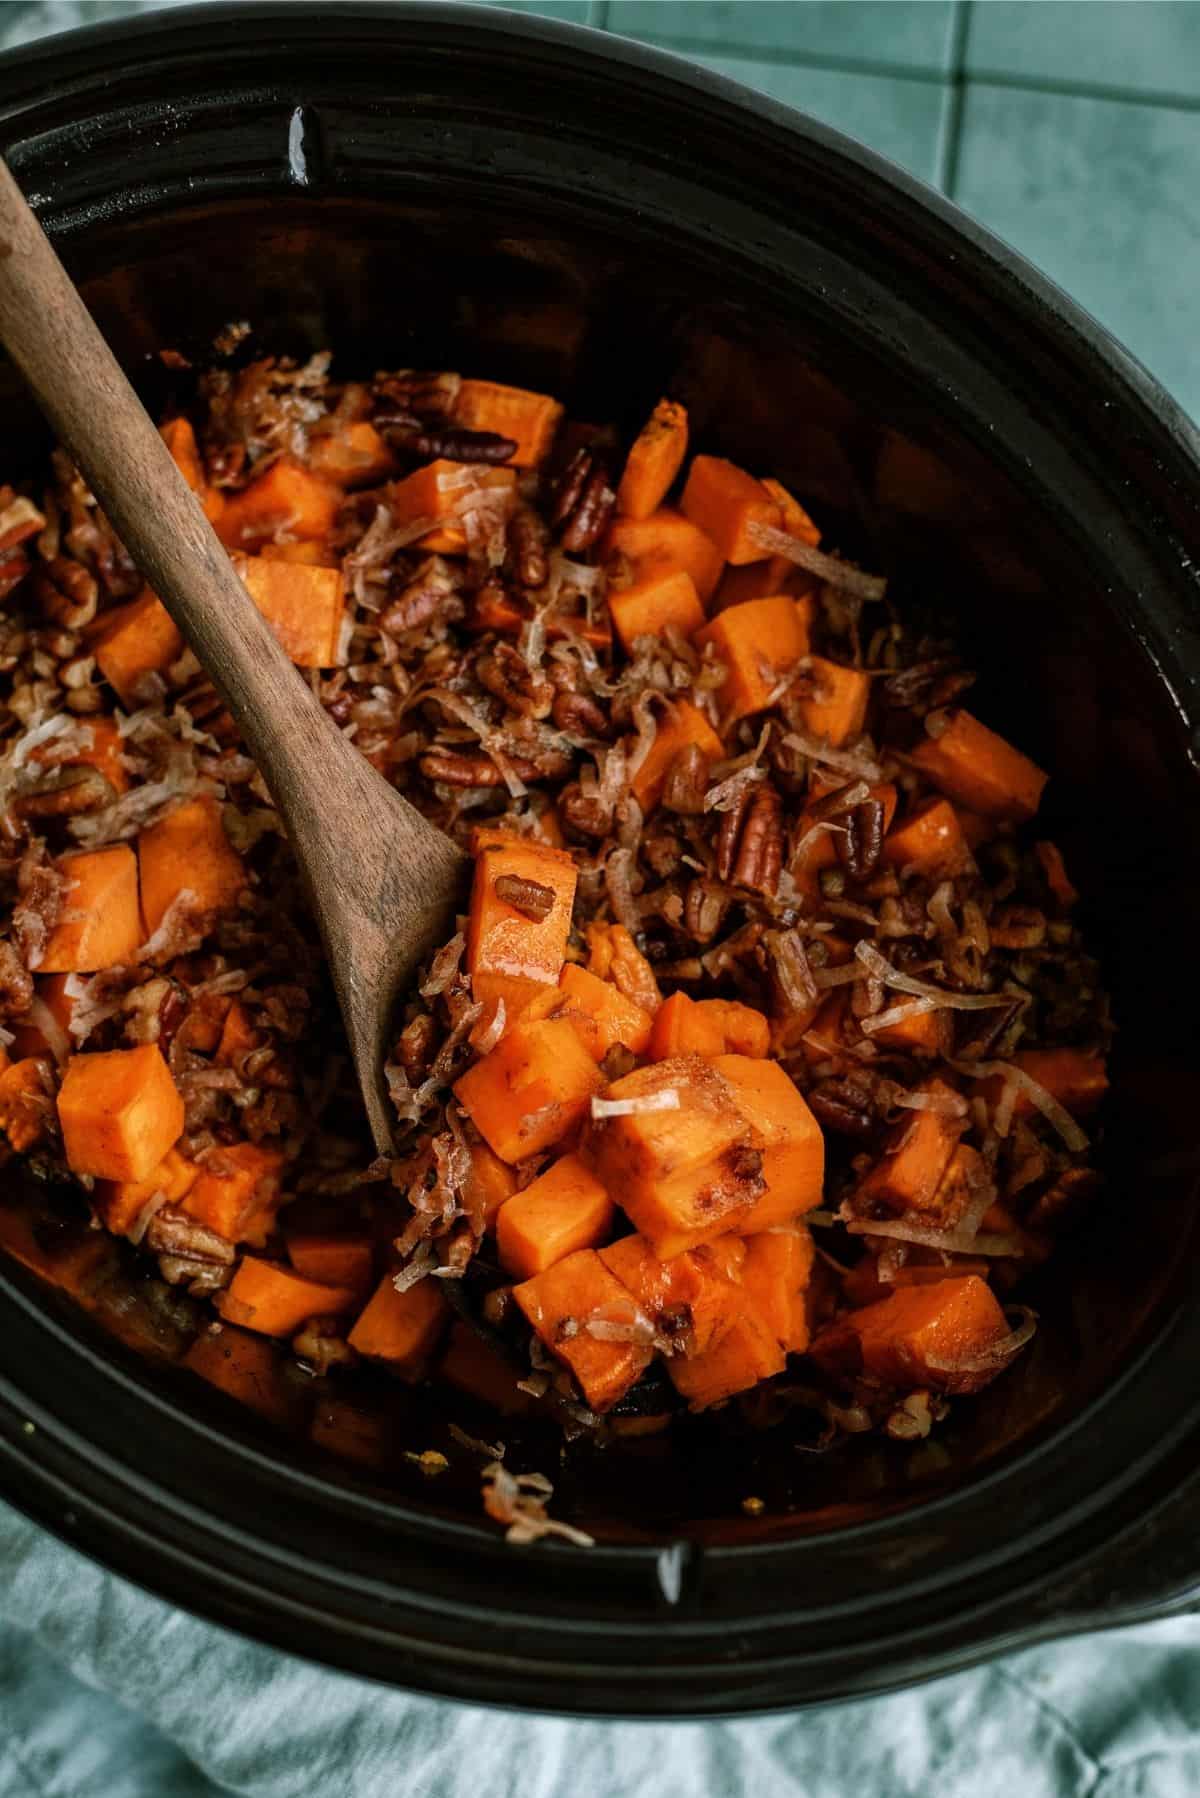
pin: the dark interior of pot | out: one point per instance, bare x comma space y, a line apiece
611, 322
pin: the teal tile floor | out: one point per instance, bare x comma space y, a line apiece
1071, 127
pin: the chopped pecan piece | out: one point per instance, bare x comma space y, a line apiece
750, 841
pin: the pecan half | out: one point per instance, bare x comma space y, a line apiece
529, 897
841, 1106
704, 908
420, 598
750, 840
172, 1232
455, 770
507, 674
585, 813
686, 782
419, 392
66, 793
579, 715
860, 845
66, 592
528, 539
453, 443
584, 504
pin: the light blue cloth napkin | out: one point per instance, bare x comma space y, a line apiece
106, 1693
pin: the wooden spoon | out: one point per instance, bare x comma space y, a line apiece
383, 882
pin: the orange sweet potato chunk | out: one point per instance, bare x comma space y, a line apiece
654, 461
669, 537
744, 1351
725, 501
657, 595
682, 1174
1077, 1079
353, 456
681, 728
929, 841
102, 749
793, 1149
119, 1111
683, 1027
100, 924
487, 1186
793, 518
286, 501
188, 852
274, 1300
601, 1014
559, 1304
473, 1366
837, 709
237, 1193
522, 895
180, 439
744, 1031
760, 642
908, 1178
119, 1203
563, 1210
531, 1090
920, 1033
28, 1036
979, 770
685, 1298
402, 1328
135, 640
530, 419
333, 1259
25, 1103
776, 1273
302, 604
901, 1339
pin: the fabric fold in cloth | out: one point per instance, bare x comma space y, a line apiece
107, 1691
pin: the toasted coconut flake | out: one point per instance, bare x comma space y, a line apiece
954, 1242
444, 969
947, 1105
846, 975
519, 1500
43, 1019
666, 1099
860, 763
490, 1451
146, 1217
842, 575
895, 1014
1021, 1082
883, 970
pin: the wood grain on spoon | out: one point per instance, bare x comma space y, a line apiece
383, 882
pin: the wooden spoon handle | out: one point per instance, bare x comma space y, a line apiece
79, 386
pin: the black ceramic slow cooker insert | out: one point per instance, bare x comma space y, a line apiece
442, 186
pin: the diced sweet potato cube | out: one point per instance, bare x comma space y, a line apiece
237, 1193
274, 1300
134, 640
658, 594
303, 606
563, 1210
531, 420
120, 1203
286, 501
473, 1366
654, 461
332, 1259
920, 1033
929, 841
681, 728
561, 1302
837, 708
1077, 1079
355, 455
682, 1174
402, 1328
520, 918
742, 1353
102, 749
776, 1273
901, 1340
978, 769
100, 923
601, 1014
311, 554
744, 1030
669, 537
238, 1037
908, 1177
725, 502
188, 852
760, 644
683, 1027
961, 1185
180, 439
25, 1102
531, 1090
442, 490
793, 1149
686, 1298
487, 1186
861, 1286
246, 1368
29, 1038
120, 1112
793, 518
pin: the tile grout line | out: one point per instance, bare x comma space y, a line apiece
956, 99
799, 59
